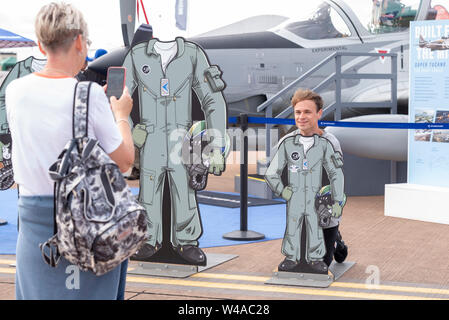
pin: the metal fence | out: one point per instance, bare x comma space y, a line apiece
334, 78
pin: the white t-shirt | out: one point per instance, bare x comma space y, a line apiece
307, 142
167, 50
39, 112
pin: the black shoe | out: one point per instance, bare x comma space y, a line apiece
287, 265
145, 252
318, 267
341, 250
135, 174
192, 254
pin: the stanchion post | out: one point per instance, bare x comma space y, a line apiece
243, 234
244, 175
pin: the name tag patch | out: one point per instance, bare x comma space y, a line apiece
305, 164
165, 89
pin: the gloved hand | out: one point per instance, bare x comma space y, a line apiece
215, 160
336, 209
139, 133
287, 193
198, 176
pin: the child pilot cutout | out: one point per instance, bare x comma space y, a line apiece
304, 181
165, 74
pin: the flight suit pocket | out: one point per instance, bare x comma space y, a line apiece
213, 77
182, 102
294, 209
337, 159
150, 128
148, 110
192, 199
147, 186
292, 225
184, 126
139, 134
316, 179
319, 231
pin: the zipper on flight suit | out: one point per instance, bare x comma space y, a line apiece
164, 73
305, 158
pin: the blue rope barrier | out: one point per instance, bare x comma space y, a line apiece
372, 125
384, 125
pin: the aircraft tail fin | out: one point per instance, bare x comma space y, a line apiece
128, 20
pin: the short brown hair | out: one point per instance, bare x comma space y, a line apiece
57, 24
307, 94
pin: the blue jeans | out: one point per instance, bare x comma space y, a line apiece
122, 282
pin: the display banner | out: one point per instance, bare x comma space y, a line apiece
428, 150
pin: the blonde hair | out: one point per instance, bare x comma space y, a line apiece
58, 24
307, 94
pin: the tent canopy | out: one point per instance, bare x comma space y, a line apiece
9, 39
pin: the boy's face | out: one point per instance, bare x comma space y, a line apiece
306, 117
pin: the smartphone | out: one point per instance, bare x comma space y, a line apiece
116, 82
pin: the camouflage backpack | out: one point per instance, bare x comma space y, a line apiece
98, 221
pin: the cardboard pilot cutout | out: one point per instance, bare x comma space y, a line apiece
303, 195
20, 69
165, 73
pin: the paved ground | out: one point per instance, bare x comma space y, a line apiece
394, 259
409, 259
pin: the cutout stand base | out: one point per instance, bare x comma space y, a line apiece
301, 279
338, 269
178, 270
304, 279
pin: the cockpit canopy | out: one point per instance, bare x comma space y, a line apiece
322, 23
376, 16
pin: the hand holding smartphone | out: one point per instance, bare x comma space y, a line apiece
115, 81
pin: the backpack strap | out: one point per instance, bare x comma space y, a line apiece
81, 109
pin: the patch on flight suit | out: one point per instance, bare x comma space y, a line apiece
293, 168
146, 69
305, 164
213, 77
337, 159
165, 90
295, 156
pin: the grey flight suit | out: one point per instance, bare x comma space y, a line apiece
304, 177
166, 119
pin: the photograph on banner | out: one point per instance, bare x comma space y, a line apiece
423, 135
440, 136
428, 163
424, 116
442, 116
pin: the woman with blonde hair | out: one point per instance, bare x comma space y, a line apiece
39, 111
